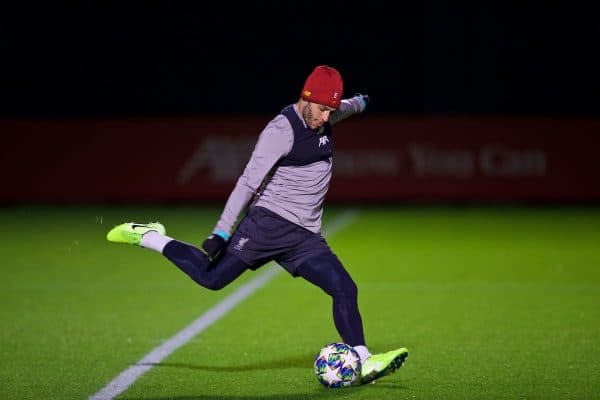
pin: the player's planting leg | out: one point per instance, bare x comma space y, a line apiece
380, 365
327, 272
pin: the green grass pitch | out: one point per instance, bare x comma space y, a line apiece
492, 303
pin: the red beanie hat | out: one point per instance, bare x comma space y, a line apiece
324, 86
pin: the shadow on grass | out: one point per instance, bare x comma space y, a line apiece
358, 392
300, 361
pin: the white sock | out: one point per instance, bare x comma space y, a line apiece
155, 241
363, 352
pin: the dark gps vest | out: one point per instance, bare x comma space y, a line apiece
309, 146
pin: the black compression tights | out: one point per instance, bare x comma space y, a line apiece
327, 272
194, 263
324, 271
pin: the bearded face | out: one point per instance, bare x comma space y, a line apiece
315, 115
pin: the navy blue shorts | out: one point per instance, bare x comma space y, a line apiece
264, 236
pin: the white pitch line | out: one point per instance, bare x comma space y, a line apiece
126, 378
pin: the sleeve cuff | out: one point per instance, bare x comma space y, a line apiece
224, 235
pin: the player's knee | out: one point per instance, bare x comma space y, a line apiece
327, 272
211, 283
349, 289
344, 286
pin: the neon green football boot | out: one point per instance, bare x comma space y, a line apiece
131, 233
380, 365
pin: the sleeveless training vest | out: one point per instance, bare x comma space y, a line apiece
309, 146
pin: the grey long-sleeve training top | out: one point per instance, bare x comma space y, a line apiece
296, 193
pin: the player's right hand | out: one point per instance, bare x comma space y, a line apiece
213, 246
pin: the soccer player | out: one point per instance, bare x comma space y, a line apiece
281, 190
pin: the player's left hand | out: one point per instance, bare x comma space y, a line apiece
365, 99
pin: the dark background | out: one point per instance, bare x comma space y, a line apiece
189, 58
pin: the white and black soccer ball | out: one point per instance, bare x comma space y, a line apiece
337, 365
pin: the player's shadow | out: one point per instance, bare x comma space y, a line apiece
358, 392
299, 361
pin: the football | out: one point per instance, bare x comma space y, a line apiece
337, 365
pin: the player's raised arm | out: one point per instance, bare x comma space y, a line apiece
348, 107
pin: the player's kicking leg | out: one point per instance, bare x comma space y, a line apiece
188, 258
131, 233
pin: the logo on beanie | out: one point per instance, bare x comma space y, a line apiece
307, 93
